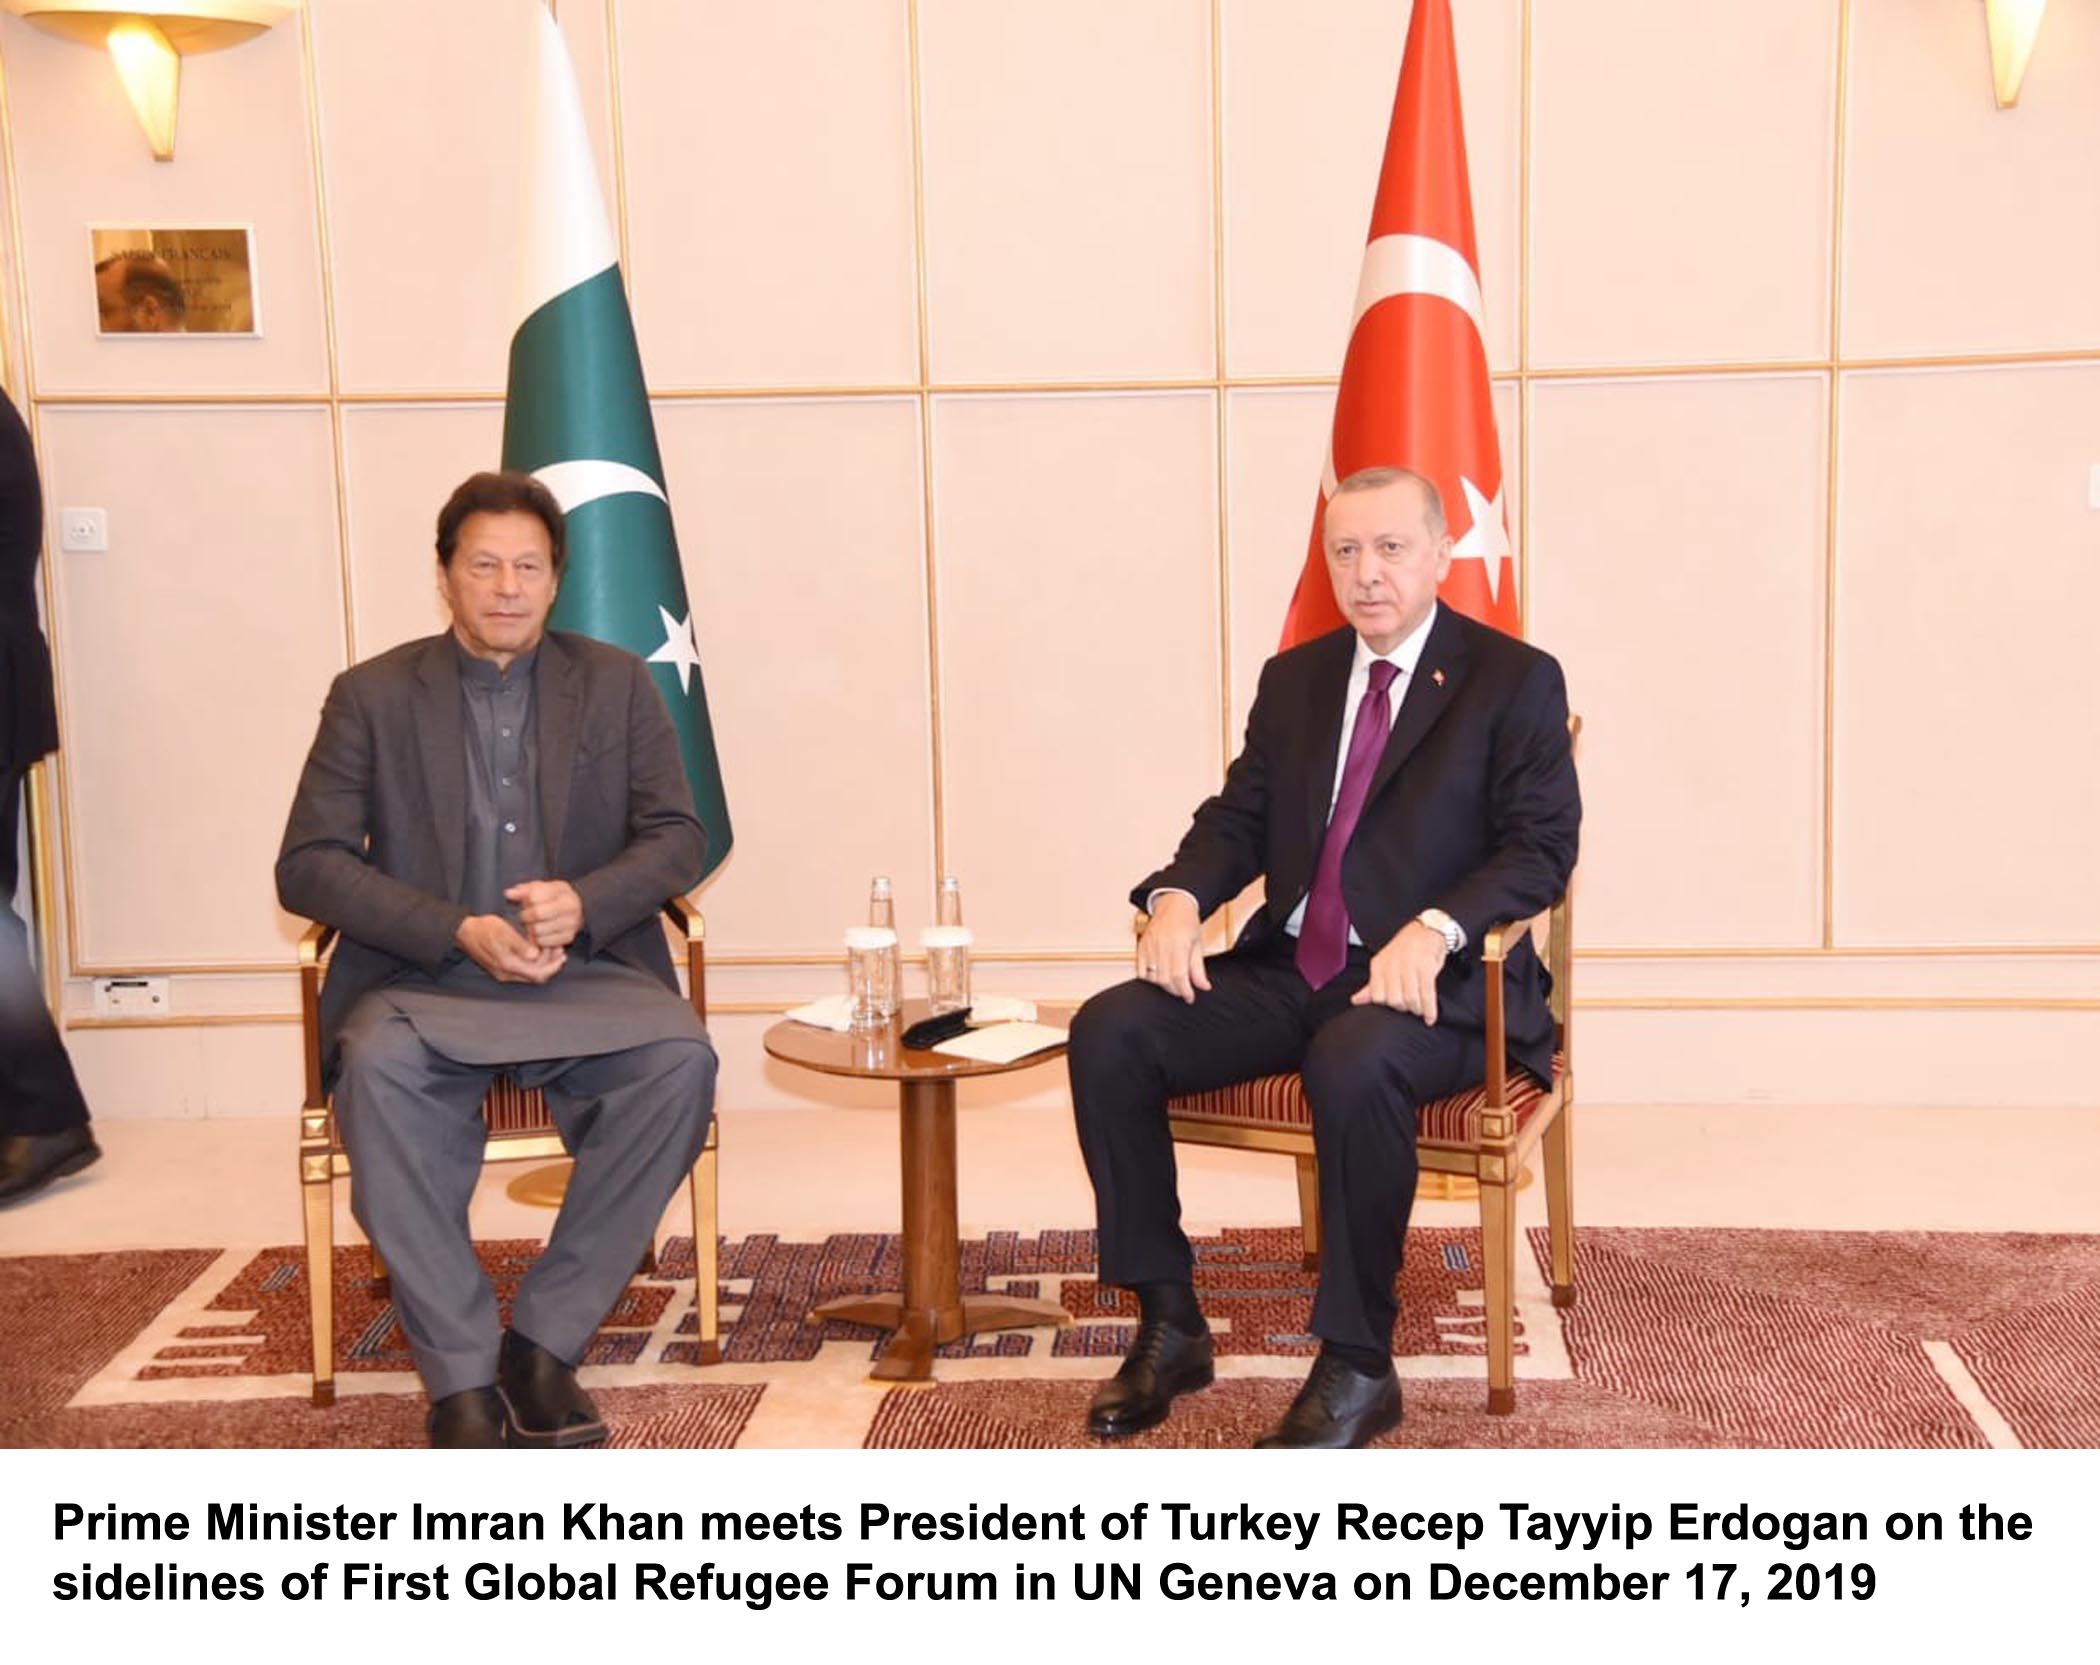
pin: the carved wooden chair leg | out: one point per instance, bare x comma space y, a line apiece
1560, 1204
318, 1196
707, 1255
1309, 1209
382, 1279
1498, 1253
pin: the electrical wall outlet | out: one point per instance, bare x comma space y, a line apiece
131, 997
83, 530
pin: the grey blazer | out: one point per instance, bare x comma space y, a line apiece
376, 842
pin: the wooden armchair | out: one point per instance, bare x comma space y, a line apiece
1485, 1134
520, 1130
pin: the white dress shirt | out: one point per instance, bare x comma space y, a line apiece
1403, 658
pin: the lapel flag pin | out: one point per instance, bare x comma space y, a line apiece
1437, 677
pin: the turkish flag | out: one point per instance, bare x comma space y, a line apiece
1414, 390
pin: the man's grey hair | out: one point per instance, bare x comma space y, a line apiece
1370, 479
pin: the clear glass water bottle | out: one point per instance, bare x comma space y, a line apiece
882, 912
947, 908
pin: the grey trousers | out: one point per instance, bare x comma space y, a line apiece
634, 1121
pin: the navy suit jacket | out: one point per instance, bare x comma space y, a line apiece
1473, 809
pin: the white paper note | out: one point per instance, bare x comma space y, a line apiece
1003, 1043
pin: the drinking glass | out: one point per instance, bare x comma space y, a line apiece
947, 967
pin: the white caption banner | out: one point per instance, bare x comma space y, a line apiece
1823, 1553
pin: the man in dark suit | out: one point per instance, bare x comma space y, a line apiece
1405, 784
493, 818
43, 1118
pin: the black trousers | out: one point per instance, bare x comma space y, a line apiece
1366, 1069
38, 1090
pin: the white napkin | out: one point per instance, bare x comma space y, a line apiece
834, 1011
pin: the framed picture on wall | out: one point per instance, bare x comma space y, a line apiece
174, 281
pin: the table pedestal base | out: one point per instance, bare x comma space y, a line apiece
908, 1355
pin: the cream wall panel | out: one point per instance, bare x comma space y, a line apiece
190, 1073
1277, 438
1678, 529
800, 525
1968, 718
1840, 1057
1970, 229
242, 159
194, 654
1834, 1061
1078, 571
1068, 185
1681, 178
1308, 97
420, 107
400, 464
771, 249
584, 28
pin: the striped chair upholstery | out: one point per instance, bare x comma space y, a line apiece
520, 1130
1484, 1135
1278, 1101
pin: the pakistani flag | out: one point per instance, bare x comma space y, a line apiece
577, 416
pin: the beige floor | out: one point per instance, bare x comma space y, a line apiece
800, 1173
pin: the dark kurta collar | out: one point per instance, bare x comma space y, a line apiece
475, 670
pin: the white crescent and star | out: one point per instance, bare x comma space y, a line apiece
1487, 539
680, 648
1405, 264
585, 480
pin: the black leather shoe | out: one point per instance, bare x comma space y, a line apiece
469, 1420
547, 1408
1162, 1363
1338, 1409
31, 1161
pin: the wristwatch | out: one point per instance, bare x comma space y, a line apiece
1445, 926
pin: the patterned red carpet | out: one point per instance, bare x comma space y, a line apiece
1682, 1338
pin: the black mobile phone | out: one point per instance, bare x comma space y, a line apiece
932, 1031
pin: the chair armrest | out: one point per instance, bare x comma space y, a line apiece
1495, 949
1495, 946
686, 919
314, 943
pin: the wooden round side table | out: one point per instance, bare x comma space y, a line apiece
931, 1309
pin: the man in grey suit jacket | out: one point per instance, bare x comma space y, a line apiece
492, 819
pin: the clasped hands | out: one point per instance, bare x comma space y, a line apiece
552, 916
1403, 972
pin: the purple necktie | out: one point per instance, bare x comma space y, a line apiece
1323, 935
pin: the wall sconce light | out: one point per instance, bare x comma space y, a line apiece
147, 41
2013, 25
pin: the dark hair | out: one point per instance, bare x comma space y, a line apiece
499, 494
146, 276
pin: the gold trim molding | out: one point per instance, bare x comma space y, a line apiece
1604, 1003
